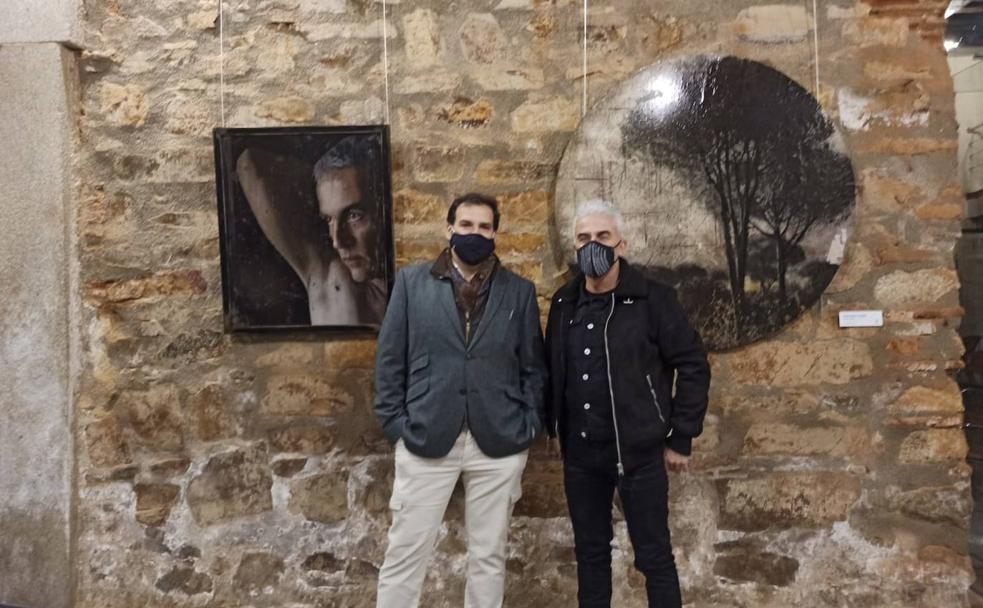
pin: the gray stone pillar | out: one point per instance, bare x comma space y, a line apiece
37, 120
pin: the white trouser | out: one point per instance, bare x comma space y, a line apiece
421, 491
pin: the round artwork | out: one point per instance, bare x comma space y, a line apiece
735, 187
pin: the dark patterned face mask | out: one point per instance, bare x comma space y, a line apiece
596, 259
473, 249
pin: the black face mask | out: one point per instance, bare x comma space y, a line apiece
596, 259
472, 248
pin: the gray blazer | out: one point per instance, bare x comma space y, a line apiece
427, 378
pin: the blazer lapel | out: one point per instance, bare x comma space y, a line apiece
445, 293
496, 294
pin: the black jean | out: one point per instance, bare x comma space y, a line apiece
590, 477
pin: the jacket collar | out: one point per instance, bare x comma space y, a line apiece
443, 266
631, 284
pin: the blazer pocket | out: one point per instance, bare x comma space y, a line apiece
419, 380
420, 363
514, 394
418, 388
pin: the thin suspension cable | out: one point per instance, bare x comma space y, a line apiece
584, 87
815, 36
385, 58
221, 57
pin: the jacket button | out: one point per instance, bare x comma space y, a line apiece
463, 391
590, 326
586, 406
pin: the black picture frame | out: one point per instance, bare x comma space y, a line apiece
271, 173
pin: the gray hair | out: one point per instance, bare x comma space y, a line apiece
598, 206
353, 151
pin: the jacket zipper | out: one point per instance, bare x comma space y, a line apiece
614, 413
654, 398
563, 350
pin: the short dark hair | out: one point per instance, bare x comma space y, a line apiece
353, 151
358, 152
474, 198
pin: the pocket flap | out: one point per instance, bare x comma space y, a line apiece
514, 393
417, 388
419, 363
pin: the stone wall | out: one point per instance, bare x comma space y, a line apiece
219, 470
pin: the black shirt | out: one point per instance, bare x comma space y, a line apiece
587, 392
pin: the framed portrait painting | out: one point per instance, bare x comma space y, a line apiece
305, 224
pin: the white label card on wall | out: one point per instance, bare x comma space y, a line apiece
861, 318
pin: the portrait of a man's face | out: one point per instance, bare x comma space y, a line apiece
306, 226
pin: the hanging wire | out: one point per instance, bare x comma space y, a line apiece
385, 58
584, 87
221, 57
815, 36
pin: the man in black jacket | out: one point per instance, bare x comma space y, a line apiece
617, 344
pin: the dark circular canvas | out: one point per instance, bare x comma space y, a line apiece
735, 187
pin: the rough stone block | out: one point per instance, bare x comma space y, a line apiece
124, 105
745, 563
542, 490
438, 163
303, 440
933, 446
185, 580
482, 39
322, 497
154, 415
775, 438
546, 116
773, 23
350, 354
421, 31
154, 502
525, 208
467, 113
497, 78
231, 485
257, 572
297, 395
950, 505
106, 446
513, 171
287, 109
210, 415
901, 289
791, 364
786, 499
414, 207
153, 287
874, 31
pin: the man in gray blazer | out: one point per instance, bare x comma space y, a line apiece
460, 379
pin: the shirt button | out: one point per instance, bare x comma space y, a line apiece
585, 377
583, 434
586, 351
590, 326
586, 406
